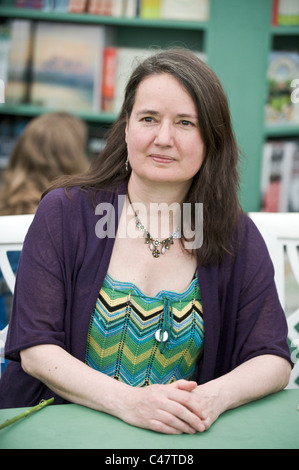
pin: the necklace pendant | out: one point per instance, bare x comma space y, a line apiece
158, 336
156, 253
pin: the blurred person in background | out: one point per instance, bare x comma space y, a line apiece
50, 146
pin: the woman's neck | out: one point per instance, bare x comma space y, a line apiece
158, 206
156, 192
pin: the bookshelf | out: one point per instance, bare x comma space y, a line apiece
236, 40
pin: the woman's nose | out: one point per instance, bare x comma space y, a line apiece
164, 136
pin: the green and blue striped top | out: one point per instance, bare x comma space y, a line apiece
126, 326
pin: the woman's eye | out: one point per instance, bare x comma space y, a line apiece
187, 123
147, 119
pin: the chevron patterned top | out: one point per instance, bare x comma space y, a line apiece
122, 339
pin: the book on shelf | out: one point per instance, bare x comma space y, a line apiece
106, 7
281, 108
119, 63
280, 176
77, 6
285, 13
150, 8
4, 53
33, 4
185, 10
19, 61
67, 65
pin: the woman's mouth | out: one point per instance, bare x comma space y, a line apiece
163, 159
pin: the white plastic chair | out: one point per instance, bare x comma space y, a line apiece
281, 234
13, 229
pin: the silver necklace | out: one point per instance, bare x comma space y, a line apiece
157, 247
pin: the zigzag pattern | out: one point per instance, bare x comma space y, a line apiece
121, 340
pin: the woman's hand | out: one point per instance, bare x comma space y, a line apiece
169, 409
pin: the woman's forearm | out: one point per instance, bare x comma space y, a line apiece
254, 379
170, 409
72, 379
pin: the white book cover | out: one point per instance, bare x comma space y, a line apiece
5, 41
186, 10
127, 61
130, 8
18, 61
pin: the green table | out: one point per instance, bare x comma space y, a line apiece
272, 422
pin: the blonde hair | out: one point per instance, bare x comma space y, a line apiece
51, 145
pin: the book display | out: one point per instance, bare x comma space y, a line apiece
77, 55
280, 176
283, 69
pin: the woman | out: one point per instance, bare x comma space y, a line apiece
136, 325
51, 145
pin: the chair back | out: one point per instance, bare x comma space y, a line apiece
13, 229
281, 234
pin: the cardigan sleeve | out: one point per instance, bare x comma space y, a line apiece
261, 326
39, 298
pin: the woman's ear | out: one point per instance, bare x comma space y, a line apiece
126, 130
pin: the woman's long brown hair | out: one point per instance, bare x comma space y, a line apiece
217, 182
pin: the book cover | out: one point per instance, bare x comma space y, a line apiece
150, 8
34, 4
5, 40
185, 10
288, 13
283, 68
130, 8
106, 7
127, 61
77, 6
274, 12
277, 168
19, 61
294, 184
109, 78
67, 66
61, 6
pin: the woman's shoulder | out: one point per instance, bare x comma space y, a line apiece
76, 202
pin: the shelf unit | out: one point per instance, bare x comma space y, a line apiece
236, 40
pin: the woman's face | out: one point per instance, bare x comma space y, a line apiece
162, 133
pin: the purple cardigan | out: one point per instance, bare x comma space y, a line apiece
61, 270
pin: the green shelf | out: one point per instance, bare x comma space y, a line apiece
285, 30
28, 110
282, 131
